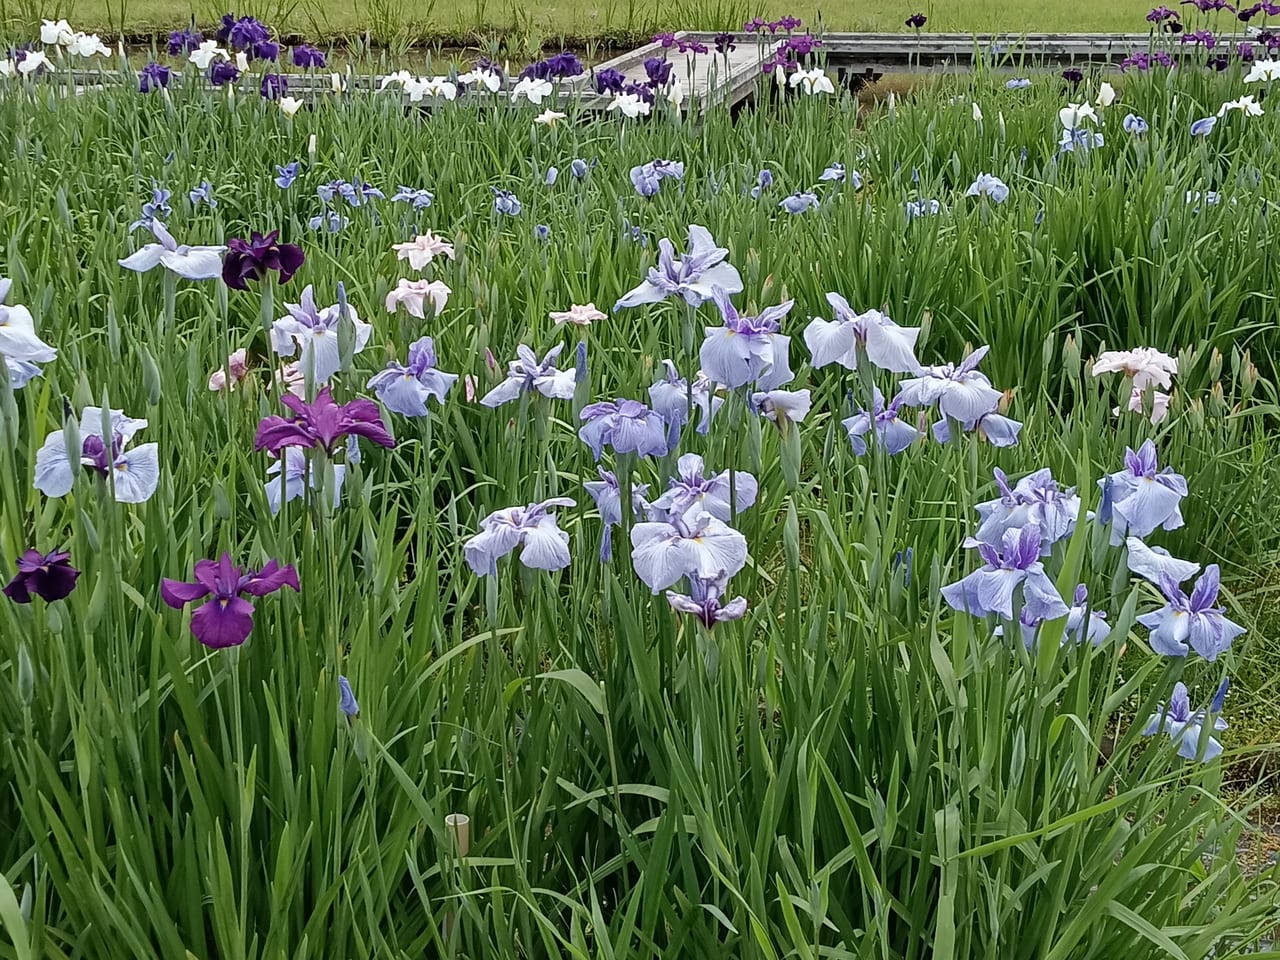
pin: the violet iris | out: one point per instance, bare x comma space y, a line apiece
225, 619
152, 77
321, 424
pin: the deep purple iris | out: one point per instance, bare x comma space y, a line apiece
274, 86
266, 50
182, 42
691, 46
224, 29
246, 32
643, 91
658, 71
609, 81
49, 576
321, 424
754, 25
725, 42
306, 56
1245, 14
802, 46
665, 40
786, 23
251, 259
917, 20
223, 72
152, 77
1219, 63
1073, 76
225, 619
565, 64
1161, 14
1205, 37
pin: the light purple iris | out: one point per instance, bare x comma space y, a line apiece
626, 425
669, 397
691, 277
1082, 624
998, 430
405, 388
887, 345
1186, 728
747, 349
545, 545
799, 202
607, 494
293, 472
1192, 622
226, 618
647, 178
134, 474
316, 332
528, 374
696, 546
1157, 564
691, 491
705, 601
892, 434
1016, 563
1142, 497
961, 391
1036, 498
321, 424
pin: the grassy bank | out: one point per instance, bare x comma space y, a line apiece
399, 19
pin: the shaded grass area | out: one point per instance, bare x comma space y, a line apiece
399, 20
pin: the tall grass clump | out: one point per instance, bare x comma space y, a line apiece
481, 728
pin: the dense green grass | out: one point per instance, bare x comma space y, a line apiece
594, 18
854, 770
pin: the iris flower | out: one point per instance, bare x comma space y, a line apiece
189, 262
988, 185
532, 89
19, 344
491, 80
261, 254
813, 81
423, 249
691, 277
782, 406
292, 473
630, 105
1185, 728
528, 374
49, 576
691, 491
693, 545
580, 315
607, 494
506, 202
347, 700
887, 345
1135, 125
321, 424
206, 53
705, 601
226, 618
1157, 564
1141, 498
626, 425
1036, 498
922, 208
670, 397
420, 198
747, 349
1192, 622
1016, 562
961, 391
286, 175
545, 545
799, 202
892, 433
405, 388
413, 295
135, 473
316, 332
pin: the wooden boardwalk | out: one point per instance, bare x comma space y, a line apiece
715, 79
